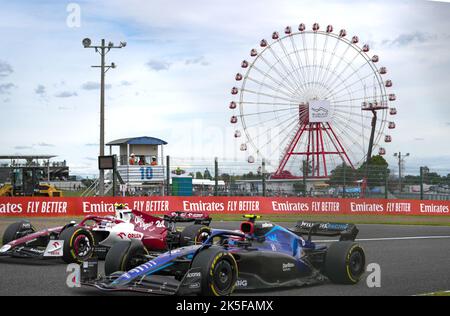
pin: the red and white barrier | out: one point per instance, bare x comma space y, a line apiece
74, 206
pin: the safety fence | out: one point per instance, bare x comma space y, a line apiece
63, 207
231, 178
222, 177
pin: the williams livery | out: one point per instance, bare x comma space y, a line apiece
95, 235
261, 255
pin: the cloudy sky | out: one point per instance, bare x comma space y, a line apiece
174, 77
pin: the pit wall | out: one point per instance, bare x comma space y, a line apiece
75, 206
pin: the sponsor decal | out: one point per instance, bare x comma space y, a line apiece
34, 250
267, 225
367, 207
241, 283
140, 222
188, 215
324, 226
134, 235
434, 208
274, 247
272, 238
103, 206
288, 266
26, 225
54, 248
194, 275
195, 285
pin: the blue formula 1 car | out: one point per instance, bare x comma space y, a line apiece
261, 255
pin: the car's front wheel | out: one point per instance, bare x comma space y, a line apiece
124, 256
17, 230
219, 271
78, 244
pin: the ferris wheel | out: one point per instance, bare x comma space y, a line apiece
311, 96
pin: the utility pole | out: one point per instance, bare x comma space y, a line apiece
168, 175
401, 161
102, 49
344, 187
369, 151
263, 174
386, 184
422, 171
216, 176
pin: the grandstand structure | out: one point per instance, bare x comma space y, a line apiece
52, 170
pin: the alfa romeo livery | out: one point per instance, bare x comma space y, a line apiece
95, 235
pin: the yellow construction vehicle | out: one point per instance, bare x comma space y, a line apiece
6, 190
25, 181
48, 190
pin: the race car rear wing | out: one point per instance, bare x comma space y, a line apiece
188, 217
345, 232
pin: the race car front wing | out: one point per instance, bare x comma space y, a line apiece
190, 284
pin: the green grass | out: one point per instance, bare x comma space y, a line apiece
72, 193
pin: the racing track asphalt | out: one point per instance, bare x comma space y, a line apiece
408, 266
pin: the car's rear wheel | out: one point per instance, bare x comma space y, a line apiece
16, 231
345, 263
124, 256
194, 234
78, 244
219, 271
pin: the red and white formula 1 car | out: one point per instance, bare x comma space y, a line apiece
94, 235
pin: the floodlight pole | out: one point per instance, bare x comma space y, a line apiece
369, 151
401, 160
101, 178
103, 49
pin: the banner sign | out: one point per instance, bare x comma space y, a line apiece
82, 206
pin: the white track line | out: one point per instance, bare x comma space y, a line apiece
392, 238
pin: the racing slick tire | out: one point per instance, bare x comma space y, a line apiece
12, 231
194, 234
345, 262
78, 244
219, 271
124, 256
